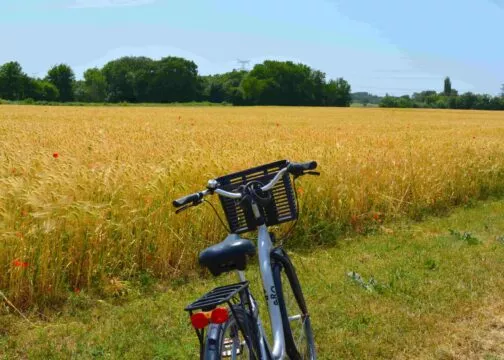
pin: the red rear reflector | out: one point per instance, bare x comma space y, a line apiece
219, 315
199, 320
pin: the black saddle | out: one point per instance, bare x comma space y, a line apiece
230, 254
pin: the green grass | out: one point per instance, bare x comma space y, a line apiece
438, 294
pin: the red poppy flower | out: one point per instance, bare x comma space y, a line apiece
76, 290
19, 263
55, 155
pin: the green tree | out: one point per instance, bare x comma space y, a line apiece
42, 90
224, 87
426, 98
95, 85
447, 87
129, 79
62, 76
80, 91
388, 101
502, 90
467, 101
283, 83
12, 81
174, 80
253, 89
365, 98
338, 93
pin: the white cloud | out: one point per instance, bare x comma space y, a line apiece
109, 3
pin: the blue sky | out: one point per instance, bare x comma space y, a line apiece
378, 46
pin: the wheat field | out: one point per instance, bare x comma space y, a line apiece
86, 192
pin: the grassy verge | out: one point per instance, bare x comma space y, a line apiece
437, 294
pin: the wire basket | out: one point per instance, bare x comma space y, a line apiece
281, 209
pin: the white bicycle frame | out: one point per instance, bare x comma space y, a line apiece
265, 246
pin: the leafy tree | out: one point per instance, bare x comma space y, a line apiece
388, 102
215, 92
80, 91
95, 85
129, 79
365, 97
253, 89
441, 103
62, 76
42, 90
447, 87
224, 87
174, 80
405, 102
338, 93
502, 90
12, 81
283, 83
483, 102
427, 97
467, 100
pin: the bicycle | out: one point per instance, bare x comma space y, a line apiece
253, 200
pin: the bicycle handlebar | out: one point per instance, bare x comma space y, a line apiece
192, 198
300, 168
296, 169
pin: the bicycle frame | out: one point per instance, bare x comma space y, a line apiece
265, 247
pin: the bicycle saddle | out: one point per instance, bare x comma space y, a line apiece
230, 254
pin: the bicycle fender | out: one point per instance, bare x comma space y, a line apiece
213, 335
212, 342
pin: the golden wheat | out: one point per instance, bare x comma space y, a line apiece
85, 193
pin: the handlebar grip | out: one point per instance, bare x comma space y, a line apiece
187, 199
299, 168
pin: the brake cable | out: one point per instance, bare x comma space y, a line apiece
218, 216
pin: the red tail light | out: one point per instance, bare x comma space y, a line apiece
216, 316
199, 320
219, 315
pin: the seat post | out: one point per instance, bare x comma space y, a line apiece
241, 275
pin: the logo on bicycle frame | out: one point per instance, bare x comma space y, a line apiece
272, 296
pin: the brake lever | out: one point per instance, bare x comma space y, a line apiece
185, 207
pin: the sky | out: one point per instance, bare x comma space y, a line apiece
388, 46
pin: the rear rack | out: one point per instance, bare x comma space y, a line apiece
217, 296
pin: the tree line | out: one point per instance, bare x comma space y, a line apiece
174, 79
449, 98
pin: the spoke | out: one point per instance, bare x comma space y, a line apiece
298, 328
235, 348
302, 349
